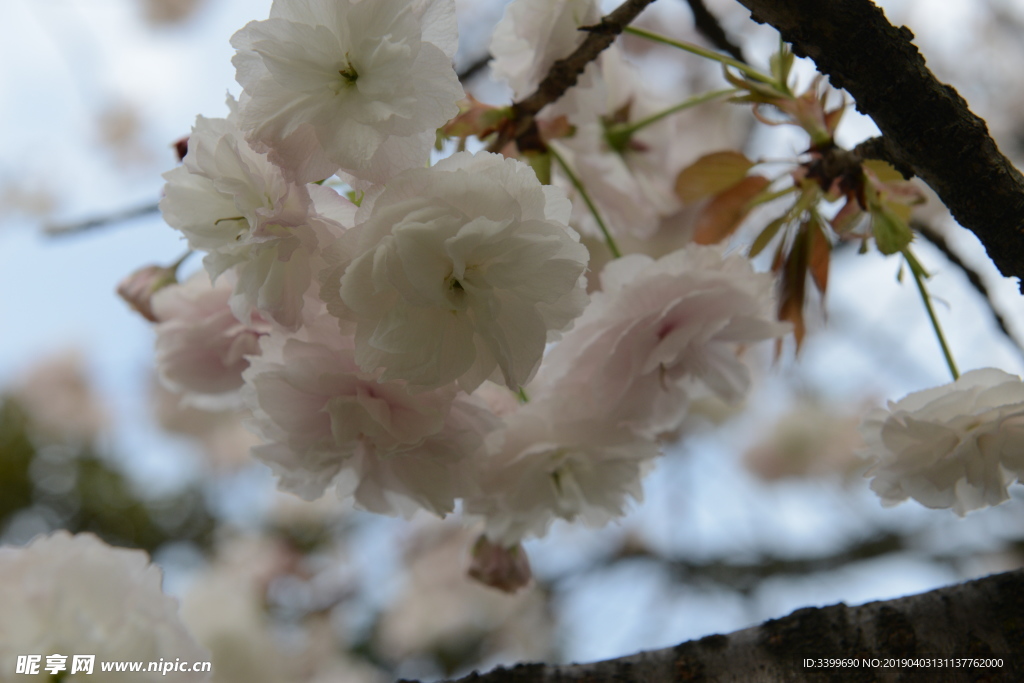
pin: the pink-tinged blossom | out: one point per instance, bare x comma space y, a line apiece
659, 333
544, 466
68, 595
360, 86
326, 422
233, 203
201, 347
956, 446
463, 271
533, 35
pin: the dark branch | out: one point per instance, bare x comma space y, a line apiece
565, 72
978, 619
927, 126
60, 230
708, 25
939, 242
473, 69
880, 148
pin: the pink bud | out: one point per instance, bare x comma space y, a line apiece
507, 569
139, 287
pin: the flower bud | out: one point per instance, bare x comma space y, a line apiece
494, 565
139, 287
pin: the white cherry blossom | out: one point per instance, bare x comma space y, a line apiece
956, 446
360, 86
233, 203
463, 271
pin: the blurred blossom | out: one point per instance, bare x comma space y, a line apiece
58, 395
810, 440
28, 197
120, 130
226, 608
439, 612
220, 434
77, 595
159, 12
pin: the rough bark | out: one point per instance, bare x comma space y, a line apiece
982, 619
926, 126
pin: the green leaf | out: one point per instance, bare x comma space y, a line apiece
766, 236
781, 63
891, 232
540, 162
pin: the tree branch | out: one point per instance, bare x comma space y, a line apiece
708, 25
980, 619
927, 126
63, 229
565, 72
474, 68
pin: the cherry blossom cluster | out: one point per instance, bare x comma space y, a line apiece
417, 333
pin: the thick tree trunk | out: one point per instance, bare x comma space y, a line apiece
927, 128
966, 632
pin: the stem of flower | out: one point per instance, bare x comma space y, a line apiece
917, 270
177, 264
702, 52
609, 240
619, 135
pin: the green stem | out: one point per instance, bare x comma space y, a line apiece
919, 274
765, 198
624, 131
702, 52
609, 240
184, 257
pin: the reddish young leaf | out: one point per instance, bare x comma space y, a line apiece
847, 217
793, 284
710, 175
819, 254
724, 213
475, 118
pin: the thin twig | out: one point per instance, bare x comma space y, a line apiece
939, 242
474, 68
63, 229
565, 72
708, 25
